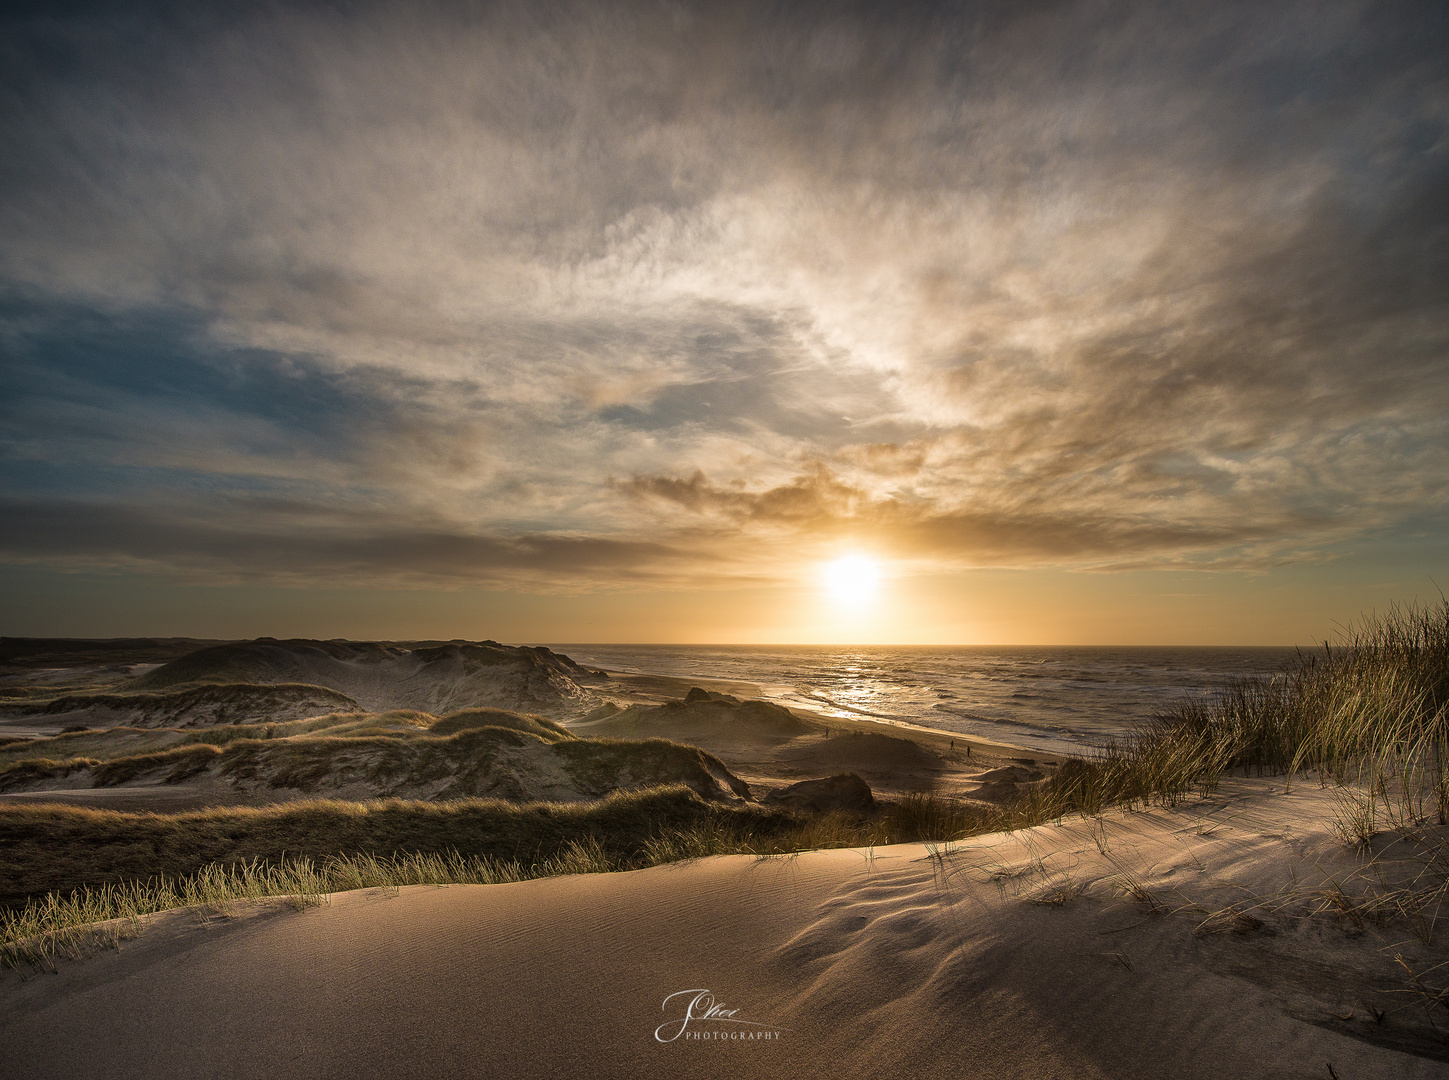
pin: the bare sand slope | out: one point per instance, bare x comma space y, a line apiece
903, 963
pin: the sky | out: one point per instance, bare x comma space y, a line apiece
1071, 322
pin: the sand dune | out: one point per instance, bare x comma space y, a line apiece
269, 681
702, 718
770, 746
437, 679
864, 753
209, 705
254, 689
73, 663
473, 753
1017, 955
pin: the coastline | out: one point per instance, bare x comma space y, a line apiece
645, 688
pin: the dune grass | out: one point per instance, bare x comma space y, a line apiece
130, 865
71, 925
1370, 712
57, 926
1368, 717
52, 848
229, 700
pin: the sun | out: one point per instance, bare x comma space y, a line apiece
852, 580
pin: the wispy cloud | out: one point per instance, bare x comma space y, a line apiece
565, 294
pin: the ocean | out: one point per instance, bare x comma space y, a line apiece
1056, 699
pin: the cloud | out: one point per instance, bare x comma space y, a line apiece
1031, 532
267, 543
1072, 284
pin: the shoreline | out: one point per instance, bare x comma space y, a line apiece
655, 689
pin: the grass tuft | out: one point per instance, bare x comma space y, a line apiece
1370, 713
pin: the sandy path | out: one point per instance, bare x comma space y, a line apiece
897, 965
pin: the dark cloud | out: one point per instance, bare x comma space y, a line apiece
280, 547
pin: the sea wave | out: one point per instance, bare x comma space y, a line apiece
1066, 696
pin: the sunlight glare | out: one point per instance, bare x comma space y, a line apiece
852, 580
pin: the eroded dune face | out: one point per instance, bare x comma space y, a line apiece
278, 681
441, 678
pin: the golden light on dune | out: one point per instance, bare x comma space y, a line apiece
852, 580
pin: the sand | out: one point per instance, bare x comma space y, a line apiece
769, 746
271, 681
763, 744
903, 962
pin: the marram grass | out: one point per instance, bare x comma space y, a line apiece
629, 830
1370, 712
55, 926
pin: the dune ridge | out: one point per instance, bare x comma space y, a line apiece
379, 676
479, 763
206, 705
703, 717
268, 680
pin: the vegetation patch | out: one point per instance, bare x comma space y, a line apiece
468, 719
33, 770
180, 764
221, 703
1371, 712
58, 848
598, 764
399, 755
99, 744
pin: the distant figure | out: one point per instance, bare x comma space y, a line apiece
968, 749
953, 744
